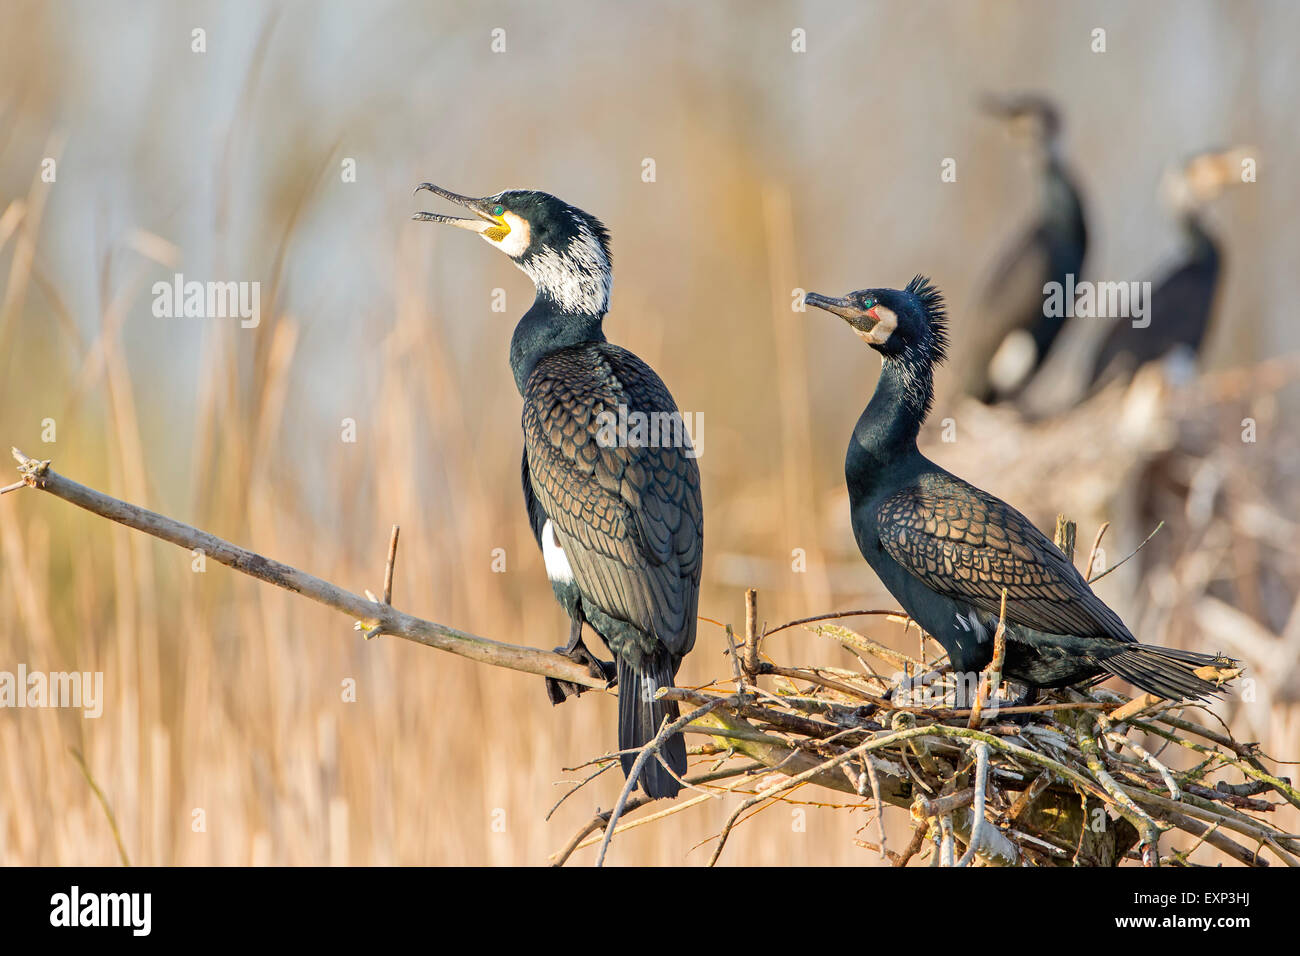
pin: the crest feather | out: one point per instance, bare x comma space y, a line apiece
931, 300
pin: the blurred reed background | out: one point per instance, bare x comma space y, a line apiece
774, 170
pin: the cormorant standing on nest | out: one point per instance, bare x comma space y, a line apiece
1182, 303
945, 549
620, 523
1014, 334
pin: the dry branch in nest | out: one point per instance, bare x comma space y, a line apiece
1066, 781
1069, 781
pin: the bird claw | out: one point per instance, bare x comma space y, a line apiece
1028, 698
561, 690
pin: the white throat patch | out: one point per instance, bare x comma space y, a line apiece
517, 239
578, 277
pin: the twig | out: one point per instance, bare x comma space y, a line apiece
914, 847
834, 615
737, 673
938, 713
924, 809
947, 844
991, 680
791, 723
671, 810
750, 660
1122, 560
1096, 544
880, 804
388, 568
1170, 783
578, 786
857, 642
532, 660
1141, 820
977, 814
375, 631
1243, 762
1029, 795
1065, 529
1210, 672
649, 750
600, 820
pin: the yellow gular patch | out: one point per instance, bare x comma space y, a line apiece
512, 242
886, 322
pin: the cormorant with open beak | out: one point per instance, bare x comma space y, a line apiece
620, 522
1014, 333
945, 549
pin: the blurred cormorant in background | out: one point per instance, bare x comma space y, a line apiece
1182, 303
1013, 335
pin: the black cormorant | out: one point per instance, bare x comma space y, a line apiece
620, 522
1014, 333
945, 549
1182, 303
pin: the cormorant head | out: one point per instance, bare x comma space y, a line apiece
908, 327
1203, 177
1031, 117
898, 323
564, 250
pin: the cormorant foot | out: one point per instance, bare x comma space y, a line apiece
1027, 699
561, 690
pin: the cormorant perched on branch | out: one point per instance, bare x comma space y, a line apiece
620, 523
945, 549
1014, 333
1182, 303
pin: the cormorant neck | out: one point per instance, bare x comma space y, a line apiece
1200, 244
548, 327
887, 430
1064, 213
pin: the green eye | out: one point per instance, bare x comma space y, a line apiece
498, 210
868, 303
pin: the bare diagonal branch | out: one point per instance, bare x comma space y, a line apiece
376, 617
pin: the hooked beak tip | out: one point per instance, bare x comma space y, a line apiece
481, 224
823, 302
843, 307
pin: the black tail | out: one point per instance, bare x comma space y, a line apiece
639, 719
1165, 671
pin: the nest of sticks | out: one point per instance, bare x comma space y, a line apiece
1082, 777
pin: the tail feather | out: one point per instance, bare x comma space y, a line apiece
640, 716
1165, 671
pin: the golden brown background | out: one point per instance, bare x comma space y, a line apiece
775, 170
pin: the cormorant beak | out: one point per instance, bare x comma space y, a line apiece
487, 224
1205, 176
1028, 116
1217, 170
864, 320
997, 105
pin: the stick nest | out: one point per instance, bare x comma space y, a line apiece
1081, 777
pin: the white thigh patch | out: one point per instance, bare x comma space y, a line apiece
557, 564
1013, 362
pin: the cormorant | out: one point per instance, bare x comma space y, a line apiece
620, 522
1182, 303
1014, 333
945, 549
